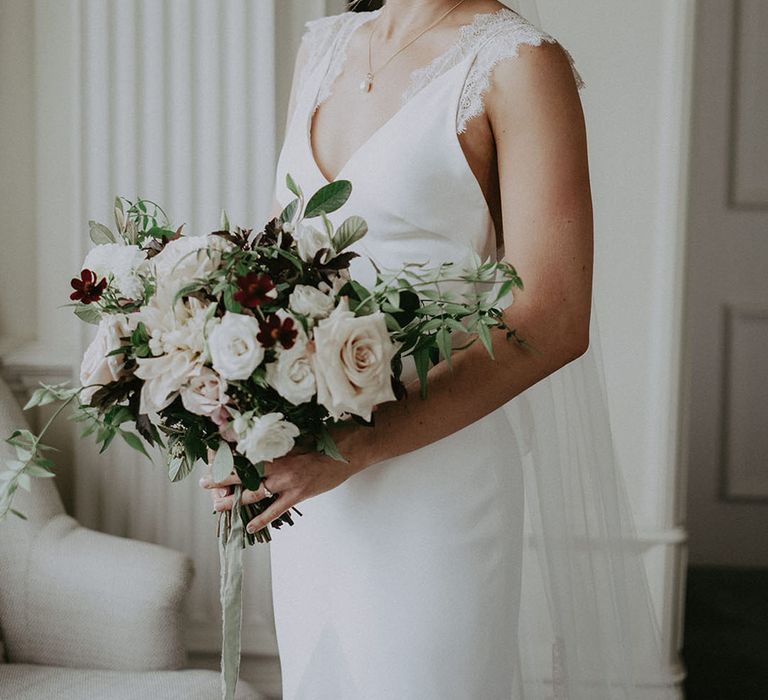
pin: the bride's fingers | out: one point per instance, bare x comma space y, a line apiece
224, 502
207, 483
275, 510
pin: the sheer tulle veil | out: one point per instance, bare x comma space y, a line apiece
588, 630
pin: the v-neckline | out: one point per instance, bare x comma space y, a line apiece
462, 32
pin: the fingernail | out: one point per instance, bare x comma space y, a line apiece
205, 482
218, 503
251, 527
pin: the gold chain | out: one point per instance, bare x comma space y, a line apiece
367, 83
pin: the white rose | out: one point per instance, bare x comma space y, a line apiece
163, 378
122, 265
310, 301
97, 368
352, 362
264, 438
309, 240
235, 352
204, 393
292, 375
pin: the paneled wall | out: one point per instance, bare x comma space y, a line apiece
727, 288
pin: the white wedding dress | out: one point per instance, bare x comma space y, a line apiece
403, 582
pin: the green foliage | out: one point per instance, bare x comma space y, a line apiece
328, 198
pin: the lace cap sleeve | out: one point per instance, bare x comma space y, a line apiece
502, 44
318, 38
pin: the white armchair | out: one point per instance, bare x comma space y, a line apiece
89, 615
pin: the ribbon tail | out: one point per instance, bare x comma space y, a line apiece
230, 589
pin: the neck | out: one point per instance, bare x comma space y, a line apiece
399, 18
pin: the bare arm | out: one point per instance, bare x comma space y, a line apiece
535, 113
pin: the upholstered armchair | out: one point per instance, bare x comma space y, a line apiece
88, 615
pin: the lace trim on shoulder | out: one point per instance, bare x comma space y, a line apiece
503, 36
330, 34
318, 38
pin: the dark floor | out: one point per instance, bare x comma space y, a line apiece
726, 634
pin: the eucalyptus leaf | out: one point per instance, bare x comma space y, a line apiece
223, 462
179, 468
292, 186
88, 313
100, 234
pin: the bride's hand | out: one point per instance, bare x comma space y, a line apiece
293, 478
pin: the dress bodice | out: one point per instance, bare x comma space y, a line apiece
410, 179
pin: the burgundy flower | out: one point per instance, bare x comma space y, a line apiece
255, 289
273, 330
88, 288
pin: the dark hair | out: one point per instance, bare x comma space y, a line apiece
364, 5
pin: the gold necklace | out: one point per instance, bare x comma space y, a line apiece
366, 84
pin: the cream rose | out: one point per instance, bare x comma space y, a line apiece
352, 362
235, 351
184, 260
310, 301
310, 240
292, 375
98, 367
205, 393
264, 438
163, 378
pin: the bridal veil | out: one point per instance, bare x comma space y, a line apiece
588, 630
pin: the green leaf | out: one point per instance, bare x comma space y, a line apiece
38, 396
444, 344
179, 468
485, 337
39, 472
229, 301
292, 186
328, 198
327, 445
351, 230
421, 360
18, 514
290, 210
158, 232
88, 313
223, 221
223, 462
100, 234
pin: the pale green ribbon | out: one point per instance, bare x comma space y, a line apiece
231, 590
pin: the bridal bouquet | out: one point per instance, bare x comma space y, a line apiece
244, 344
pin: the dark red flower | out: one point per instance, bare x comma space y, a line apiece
88, 288
273, 330
254, 290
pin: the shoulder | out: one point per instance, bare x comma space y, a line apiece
328, 26
511, 59
536, 54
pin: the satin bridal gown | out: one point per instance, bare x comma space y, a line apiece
403, 582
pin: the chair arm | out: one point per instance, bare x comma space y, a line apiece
98, 601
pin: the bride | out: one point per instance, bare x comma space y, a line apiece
475, 544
